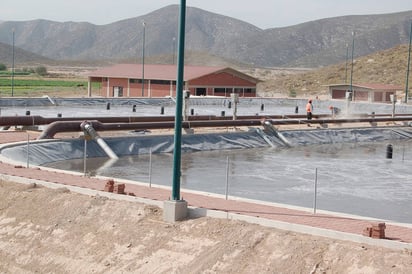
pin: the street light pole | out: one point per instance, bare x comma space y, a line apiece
12, 70
351, 70
144, 37
174, 50
409, 62
346, 63
179, 104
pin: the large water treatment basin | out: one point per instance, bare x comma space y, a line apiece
354, 177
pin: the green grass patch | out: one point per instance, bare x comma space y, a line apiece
41, 83
38, 87
5, 73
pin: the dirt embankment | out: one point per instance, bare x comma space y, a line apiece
57, 231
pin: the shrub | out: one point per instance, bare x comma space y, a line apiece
41, 70
3, 66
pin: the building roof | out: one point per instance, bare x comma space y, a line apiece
371, 86
162, 72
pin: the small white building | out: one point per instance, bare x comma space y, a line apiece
364, 92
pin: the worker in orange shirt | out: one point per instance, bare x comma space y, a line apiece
309, 109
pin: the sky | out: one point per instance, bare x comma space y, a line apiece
261, 13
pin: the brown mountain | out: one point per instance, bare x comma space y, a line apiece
310, 44
20, 56
385, 67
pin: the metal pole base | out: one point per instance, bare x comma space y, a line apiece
174, 211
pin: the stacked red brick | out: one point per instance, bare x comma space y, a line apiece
111, 186
115, 188
377, 231
119, 188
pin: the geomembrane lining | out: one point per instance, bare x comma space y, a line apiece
43, 152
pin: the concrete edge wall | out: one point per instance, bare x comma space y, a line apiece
203, 212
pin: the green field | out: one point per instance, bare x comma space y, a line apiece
8, 73
39, 87
40, 83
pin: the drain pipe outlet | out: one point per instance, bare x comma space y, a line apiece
88, 128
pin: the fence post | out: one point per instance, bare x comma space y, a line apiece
150, 168
316, 191
28, 150
85, 156
403, 153
227, 177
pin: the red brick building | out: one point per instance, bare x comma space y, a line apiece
125, 80
365, 92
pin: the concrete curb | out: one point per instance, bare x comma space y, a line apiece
195, 212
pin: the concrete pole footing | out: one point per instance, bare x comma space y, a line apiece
174, 210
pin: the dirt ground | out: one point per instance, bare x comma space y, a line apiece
57, 231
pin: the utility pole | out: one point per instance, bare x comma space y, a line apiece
409, 62
346, 63
351, 70
12, 69
144, 37
176, 208
179, 104
174, 51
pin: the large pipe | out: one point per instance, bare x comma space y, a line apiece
39, 120
73, 126
59, 126
88, 128
269, 127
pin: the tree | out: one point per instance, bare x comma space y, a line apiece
3, 66
41, 70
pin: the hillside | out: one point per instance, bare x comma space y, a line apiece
386, 67
20, 56
311, 44
123, 39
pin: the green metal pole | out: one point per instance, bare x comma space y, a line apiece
144, 37
174, 51
12, 70
346, 63
351, 70
179, 103
409, 62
